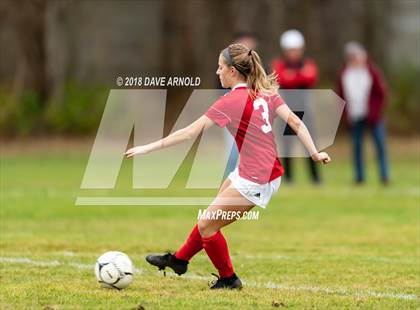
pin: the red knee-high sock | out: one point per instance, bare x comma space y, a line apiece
192, 246
218, 252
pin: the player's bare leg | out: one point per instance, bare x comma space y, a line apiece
209, 227
203, 235
227, 201
194, 244
224, 185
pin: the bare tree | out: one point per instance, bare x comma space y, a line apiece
28, 18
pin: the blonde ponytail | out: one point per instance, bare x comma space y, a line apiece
248, 63
258, 81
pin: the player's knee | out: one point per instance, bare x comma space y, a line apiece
205, 229
202, 227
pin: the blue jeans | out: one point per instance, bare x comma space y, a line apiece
232, 161
378, 133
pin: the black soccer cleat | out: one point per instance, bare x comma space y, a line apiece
179, 266
232, 283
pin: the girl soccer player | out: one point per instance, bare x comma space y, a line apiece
248, 111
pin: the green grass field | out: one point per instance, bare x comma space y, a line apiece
333, 246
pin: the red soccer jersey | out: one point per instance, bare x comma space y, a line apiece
250, 123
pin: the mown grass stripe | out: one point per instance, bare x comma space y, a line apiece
268, 285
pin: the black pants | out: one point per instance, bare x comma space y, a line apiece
288, 170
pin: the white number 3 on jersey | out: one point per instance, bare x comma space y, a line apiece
266, 128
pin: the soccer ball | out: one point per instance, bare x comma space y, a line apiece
114, 270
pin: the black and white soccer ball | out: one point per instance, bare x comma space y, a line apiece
114, 270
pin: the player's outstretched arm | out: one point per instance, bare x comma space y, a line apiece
190, 132
302, 132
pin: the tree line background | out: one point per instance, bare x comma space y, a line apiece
59, 58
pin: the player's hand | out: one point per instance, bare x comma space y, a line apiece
321, 157
138, 150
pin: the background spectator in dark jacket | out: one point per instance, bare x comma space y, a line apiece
362, 86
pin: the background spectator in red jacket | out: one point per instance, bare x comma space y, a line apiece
295, 71
361, 85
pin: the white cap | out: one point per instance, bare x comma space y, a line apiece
354, 48
292, 39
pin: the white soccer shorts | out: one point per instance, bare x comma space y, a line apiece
259, 194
